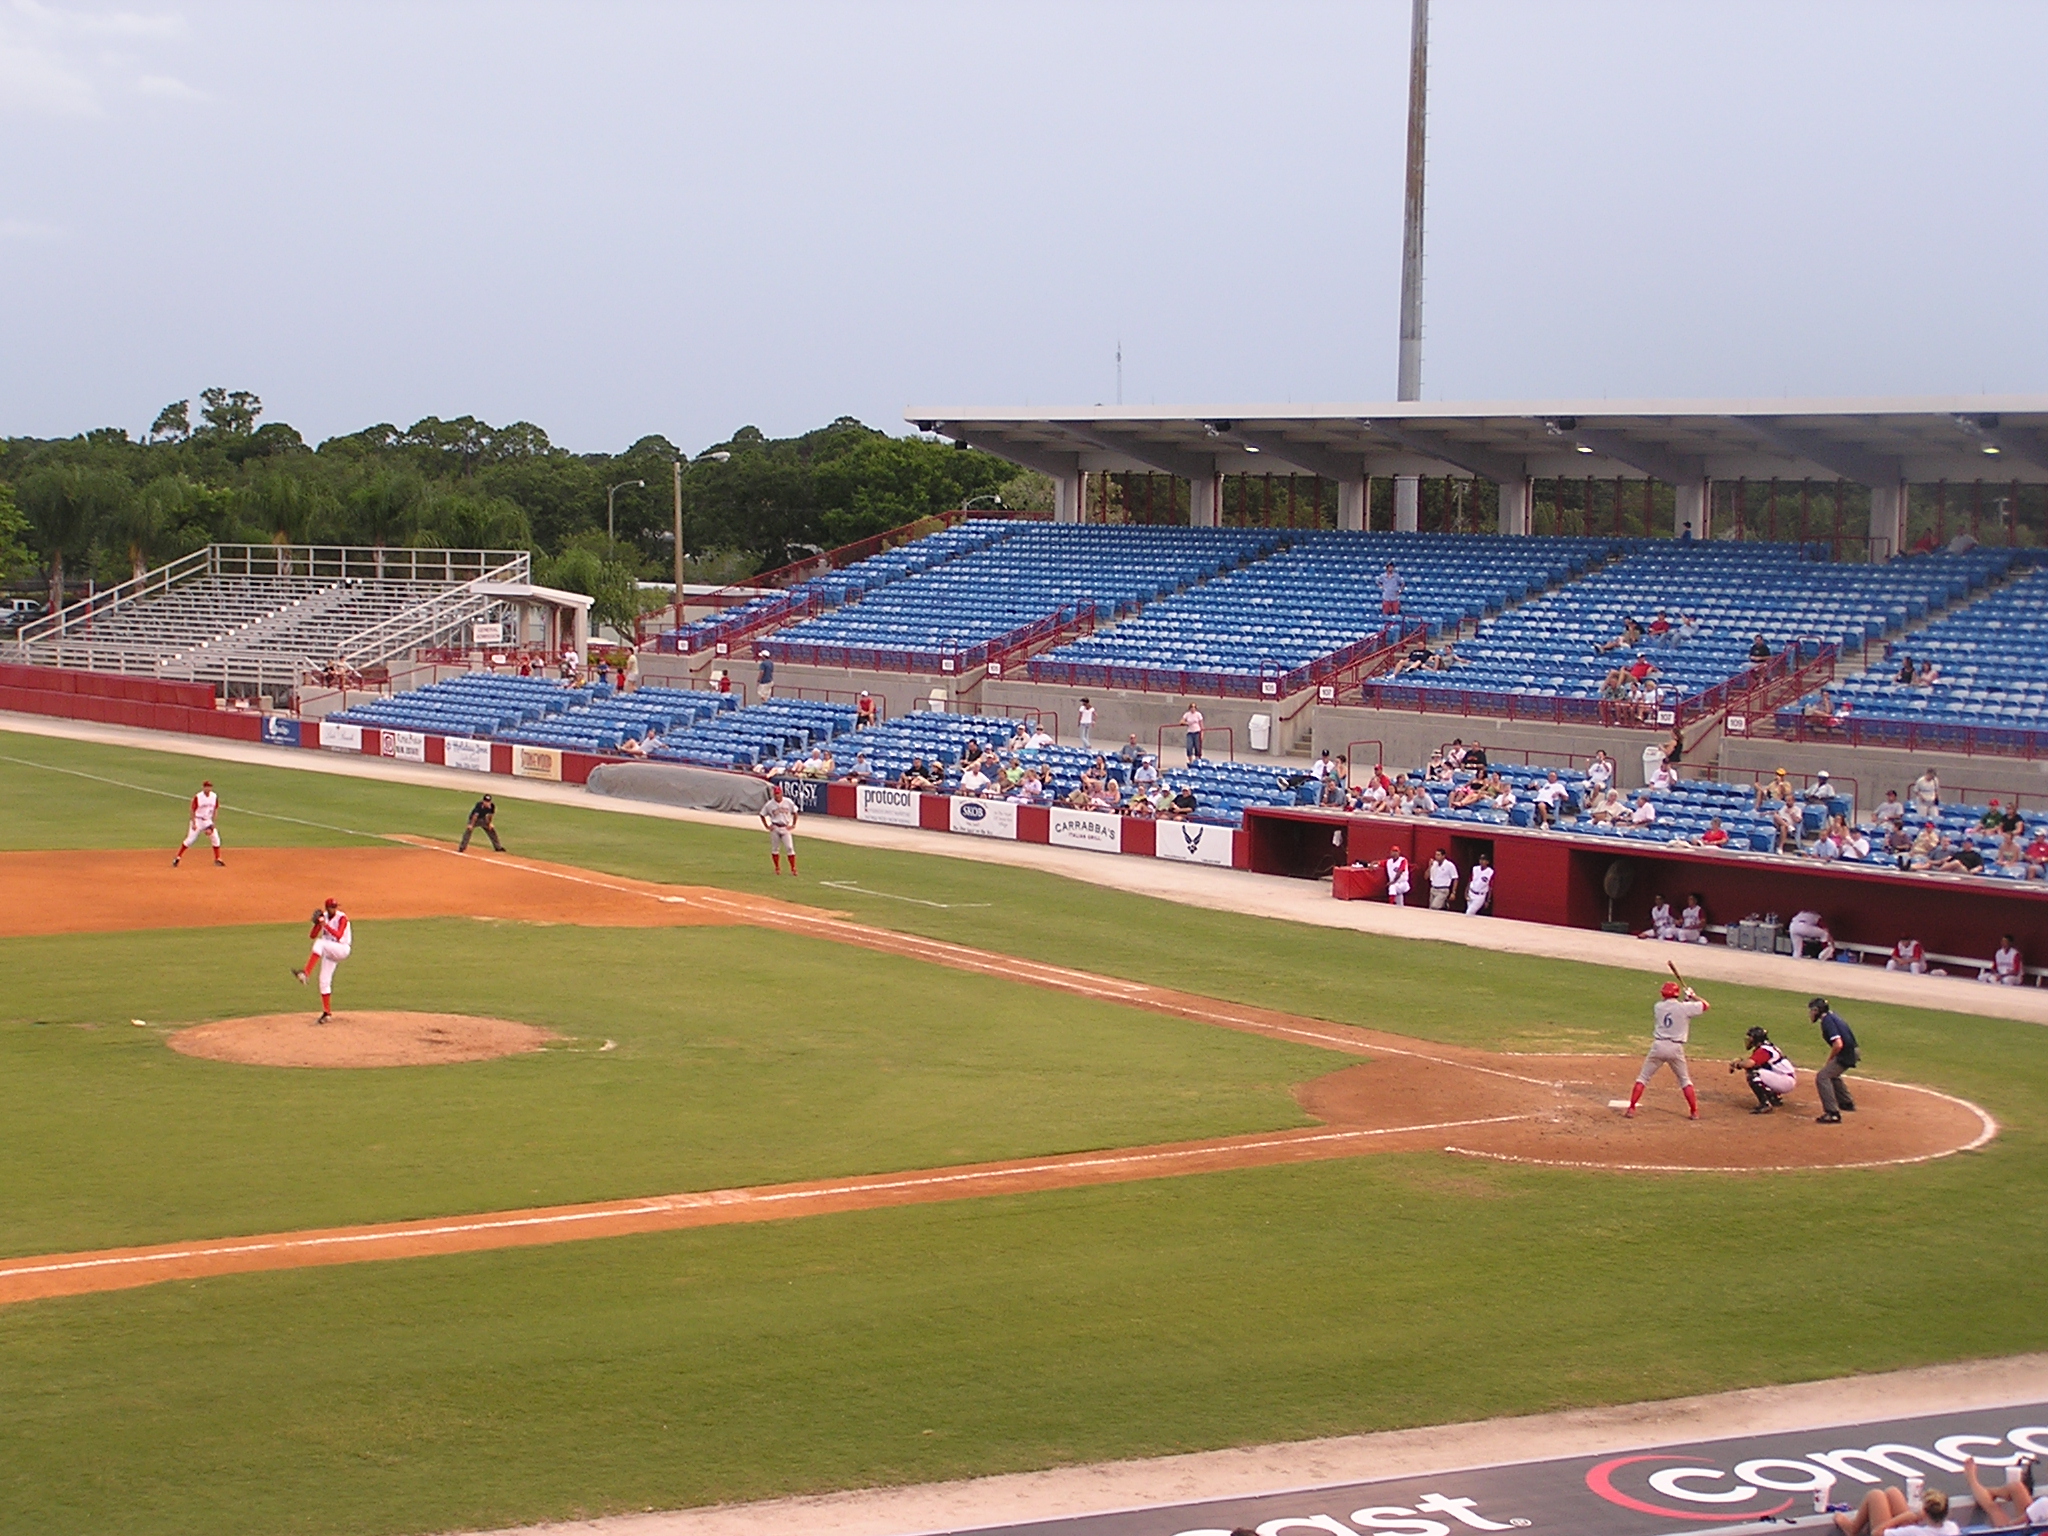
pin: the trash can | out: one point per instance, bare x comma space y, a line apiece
1261, 733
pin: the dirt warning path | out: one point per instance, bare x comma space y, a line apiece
1408, 1095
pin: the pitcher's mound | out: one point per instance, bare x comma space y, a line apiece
356, 1038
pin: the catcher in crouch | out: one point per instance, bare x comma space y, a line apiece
1771, 1076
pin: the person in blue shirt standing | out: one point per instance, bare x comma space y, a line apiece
1842, 1055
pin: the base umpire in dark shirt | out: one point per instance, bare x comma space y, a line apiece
480, 816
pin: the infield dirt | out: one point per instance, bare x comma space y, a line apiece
1408, 1096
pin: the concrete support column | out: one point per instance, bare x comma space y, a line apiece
1066, 497
1693, 501
1407, 503
1517, 505
1887, 519
1205, 501
1354, 504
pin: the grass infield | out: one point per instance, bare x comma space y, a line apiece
899, 1345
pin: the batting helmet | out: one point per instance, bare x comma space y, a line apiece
1757, 1035
1672, 989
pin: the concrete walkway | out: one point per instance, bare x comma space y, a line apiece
1273, 896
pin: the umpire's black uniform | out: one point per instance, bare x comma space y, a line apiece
480, 816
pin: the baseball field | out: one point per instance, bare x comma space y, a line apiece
690, 1183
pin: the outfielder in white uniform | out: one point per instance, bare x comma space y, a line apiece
1674, 1015
1771, 1075
332, 940
1479, 886
778, 815
205, 806
1397, 878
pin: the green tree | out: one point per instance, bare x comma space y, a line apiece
66, 504
173, 422
229, 413
14, 555
613, 583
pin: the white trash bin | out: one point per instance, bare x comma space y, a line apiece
1261, 733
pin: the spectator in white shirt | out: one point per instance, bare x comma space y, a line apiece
1645, 813
1550, 799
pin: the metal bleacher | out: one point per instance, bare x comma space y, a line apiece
260, 615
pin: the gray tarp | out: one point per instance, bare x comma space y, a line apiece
701, 789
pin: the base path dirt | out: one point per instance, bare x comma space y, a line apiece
1408, 1095
359, 1038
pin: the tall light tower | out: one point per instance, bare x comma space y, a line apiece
1407, 489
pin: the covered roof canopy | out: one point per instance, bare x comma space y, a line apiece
1871, 442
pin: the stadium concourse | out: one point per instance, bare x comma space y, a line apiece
1270, 896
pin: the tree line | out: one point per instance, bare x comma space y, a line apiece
106, 506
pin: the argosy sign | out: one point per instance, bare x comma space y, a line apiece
1697, 1490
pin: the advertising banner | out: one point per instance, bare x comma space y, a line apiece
1193, 843
891, 807
985, 818
341, 738
809, 795
406, 746
537, 763
1100, 830
466, 752
280, 730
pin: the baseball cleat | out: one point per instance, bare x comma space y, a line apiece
299, 977
323, 1018
220, 863
1628, 1114
174, 861
1694, 1115
1827, 1119
1763, 1109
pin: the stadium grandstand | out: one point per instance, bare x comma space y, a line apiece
264, 618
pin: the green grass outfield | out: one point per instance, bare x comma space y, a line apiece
894, 1345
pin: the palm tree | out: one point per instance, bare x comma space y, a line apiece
143, 520
66, 505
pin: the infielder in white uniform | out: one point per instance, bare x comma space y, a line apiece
205, 805
332, 940
778, 815
1397, 878
1674, 1016
1479, 886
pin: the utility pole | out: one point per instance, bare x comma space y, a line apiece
1409, 387
679, 542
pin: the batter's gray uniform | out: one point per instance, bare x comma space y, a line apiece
1674, 1017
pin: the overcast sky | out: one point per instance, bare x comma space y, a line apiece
621, 219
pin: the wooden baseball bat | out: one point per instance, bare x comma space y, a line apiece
1673, 964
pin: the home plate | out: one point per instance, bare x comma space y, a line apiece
1617, 1103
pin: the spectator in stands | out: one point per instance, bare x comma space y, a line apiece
1689, 630
1417, 658
973, 782
1454, 754
1776, 790
2008, 968
1993, 817
1692, 922
1905, 672
1605, 808
1645, 812
1130, 752
1908, 955
1685, 532
1438, 771
1030, 789
1184, 802
1447, 658
1191, 722
1664, 775
724, 679
634, 747
1828, 846
1600, 772
1140, 806
1716, 835
1390, 590
1821, 791
1855, 845
1331, 791
917, 777
1085, 718
1550, 799
1888, 814
1926, 791
1930, 848
572, 665
1475, 757
1355, 799
1926, 675
1807, 928
1660, 629
1468, 794
1614, 687
1787, 820
604, 673
1759, 652
1898, 844
629, 672
863, 710
1630, 637
863, 769
1320, 768
1886, 1510
1341, 768
1419, 801
1965, 860
1146, 774
2011, 1503
2036, 854
764, 683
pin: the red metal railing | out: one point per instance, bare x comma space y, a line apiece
1915, 736
1229, 747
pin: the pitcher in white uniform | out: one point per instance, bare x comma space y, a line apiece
333, 939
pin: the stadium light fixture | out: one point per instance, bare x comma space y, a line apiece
610, 496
